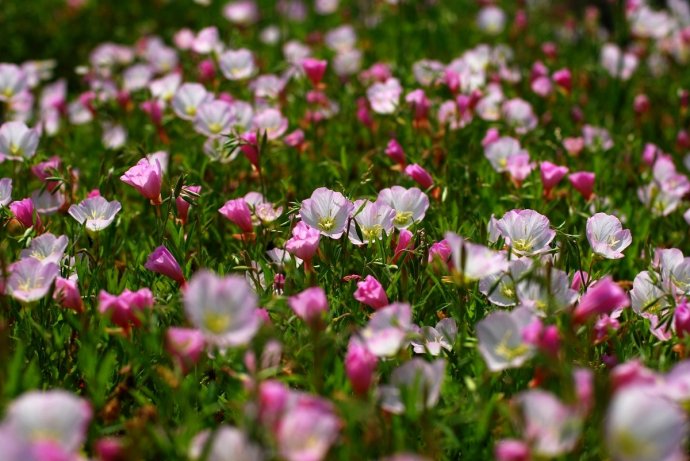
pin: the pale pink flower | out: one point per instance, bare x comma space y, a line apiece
304, 241
188, 98
310, 305
126, 308
328, 211
387, 328
237, 64
607, 236
96, 212
417, 382
373, 220
30, 279
384, 97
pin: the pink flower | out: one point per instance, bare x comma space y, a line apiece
420, 175
419, 103
310, 305
563, 78
574, 145
583, 182
315, 69
511, 450
46, 169
110, 449
439, 250
519, 167
163, 262
124, 309
492, 135
306, 433
182, 204
551, 175
294, 139
370, 292
304, 242
601, 298
360, 365
327, 211
681, 318
185, 345
405, 244
395, 151
147, 178
23, 210
67, 294
238, 212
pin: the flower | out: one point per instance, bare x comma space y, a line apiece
417, 382
30, 279
511, 450
374, 219
518, 114
270, 122
387, 328
583, 182
552, 427
17, 141
187, 99
601, 298
223, 308
237, 64
146, 177
315, 69
433, 339
46, 248
395, 151
310, 305
306, 433
46, 169
471, 261
5, 191
226, 444
370, 292
501, 341
360, 365
519, 167
238, 212
54, 416
23, 210
13, 81
420, 175
67, 294
526, 231
499, 151
304, 241
327, 211
606, 236
96, 212
164, 263
551, 175
410, 205
642, 425
214, 118
188, 192
384, 96
185, 345
124, 309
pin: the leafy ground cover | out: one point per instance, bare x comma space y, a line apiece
387, 230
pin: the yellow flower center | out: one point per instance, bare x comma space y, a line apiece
215, 128
402, 217
522, 244
326, 223
372, 233
216, 323
190, 110
510, 353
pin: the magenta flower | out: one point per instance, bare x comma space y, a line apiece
511, 450
420, 175
563, 78
404, 245
67, 294
310, 305
328, 211
147, 178
238, 212
607, 237
164, 263
551, 175
370, 292
185, 345
315, 69
223, 308
583, 182
124, 309
30, 279
23, 210
360, 365
387, 328
439, 250
304, 241
395, 151
419, 103
601, 298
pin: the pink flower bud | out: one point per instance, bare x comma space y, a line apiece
239, 213
420, 175
583, 182
23, 210
580, 279
452, 80
550, 49
206, 70
147, 178
440, 250
641, 104
110, 449
46, 169
360, 365
574, 145
250, 148
551, 175
563, 78
67, 294
125, 308
405, 244
310, 305
511, 450
163, 262
185, 345
315, 69
681, 318
395, 151
183, 205
601, 298
294, 139
492, 135
584, 389
370, 292
419, 103
304, 242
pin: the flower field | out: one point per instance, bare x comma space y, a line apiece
298, 230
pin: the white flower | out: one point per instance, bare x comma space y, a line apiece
188, 98
500, 338
606, 236
237, 64
410, 205
374, 220
17, 141
46, 248
526, 231
384, 97
328, 211
96, 212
